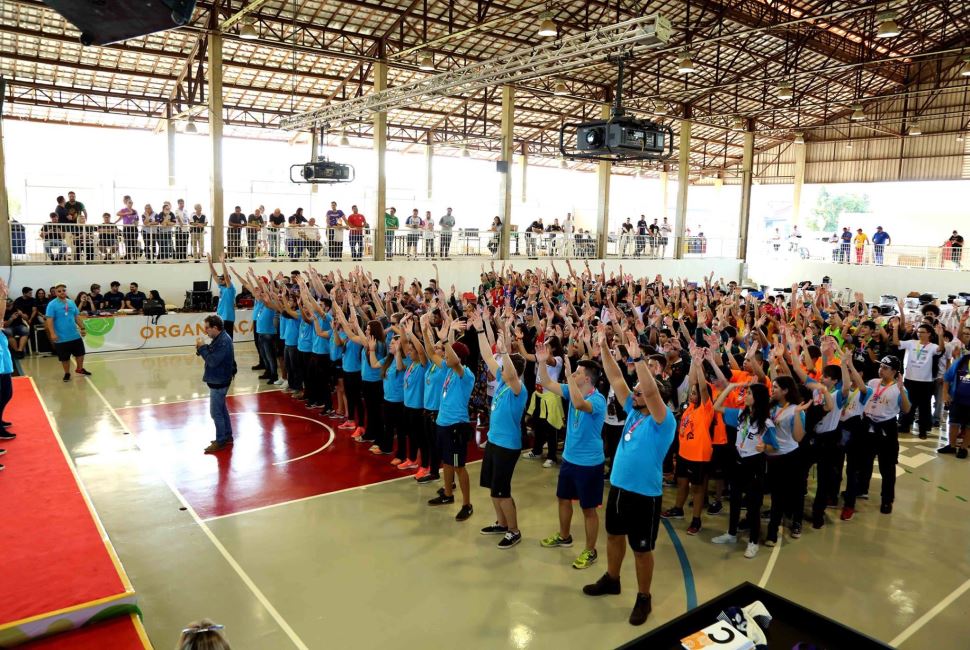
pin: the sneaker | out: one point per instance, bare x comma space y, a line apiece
673, 513
6, 435
67, 376
548, 463
494, 529
556, 540
641, 610
378, 452
726, 538
949, 449
510, 540
847, 514
530, 455
441, 490
751, 550
83, 371
426, 478
695, 526
464, 513
586, 559
396, 461
441, 500
358, 433
886, 508
258, 366
263, 376
922, 436
408, 464
962, 453
795, 531
271, 381
771, 542
347, 425
818, 520
215, 448
864, 497
285, 385
279, 382
330, 413
422, 471
606, 585
715, 508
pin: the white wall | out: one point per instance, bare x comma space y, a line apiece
173, 280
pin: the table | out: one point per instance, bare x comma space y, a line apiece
137, 332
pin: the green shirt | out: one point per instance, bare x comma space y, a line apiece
390, 221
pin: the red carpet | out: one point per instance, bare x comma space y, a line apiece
270, 429
56, 556
118, 633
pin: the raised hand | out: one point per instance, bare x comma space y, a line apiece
542, 353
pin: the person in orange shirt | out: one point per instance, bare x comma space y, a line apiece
695, 445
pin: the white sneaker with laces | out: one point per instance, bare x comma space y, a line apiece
285, 385
751, 551
529, 455
726, 538
279, 382
548, 464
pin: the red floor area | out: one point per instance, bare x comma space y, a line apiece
254, 473
119, 633
54, 556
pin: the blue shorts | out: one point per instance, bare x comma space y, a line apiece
583, 482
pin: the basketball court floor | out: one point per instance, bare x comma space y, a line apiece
302, 539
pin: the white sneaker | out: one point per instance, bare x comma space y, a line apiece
285, 385
751, 551
548, 464
279, 382
726, 538
529, 455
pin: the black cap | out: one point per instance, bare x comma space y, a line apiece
891, 362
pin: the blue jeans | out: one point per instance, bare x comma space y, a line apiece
220, 414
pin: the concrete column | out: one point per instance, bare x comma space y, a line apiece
6, 244
603, 172
800, 150
170, 139
747, 175
664, 178
683, 175
215, 142
380, 154
429, 165
505, 182
524, 160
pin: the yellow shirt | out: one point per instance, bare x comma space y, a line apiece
861, 239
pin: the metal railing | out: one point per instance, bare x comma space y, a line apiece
898, 255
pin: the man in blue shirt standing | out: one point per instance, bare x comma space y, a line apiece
636, 479
226, 309
220, 368
880, 239
581, 474
64, 330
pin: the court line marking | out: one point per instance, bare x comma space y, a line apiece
263, 600
690, 588
196, 399
333, 435
771, 563
918, 624
317, 496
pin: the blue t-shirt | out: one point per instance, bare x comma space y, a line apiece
226, 309
414, 383
368, 372
584, 431
305, 336
351, 354
292, 330
455, 392
880, 237
505, 422
321, 345
638, 461
393, 382
434, 377
264, 317
6, 361
337, 349
64, 314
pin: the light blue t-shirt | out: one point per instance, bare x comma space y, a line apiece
6, 361
264, 317
368, 372
305, 336
321, 345
505, 423
337, 339
226, 309
414, 383
393, 382
455, 391
63, 313
584, 431
434, 377
638, 461
292, 330
352, 352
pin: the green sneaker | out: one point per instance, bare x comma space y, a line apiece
585, 559
557, 540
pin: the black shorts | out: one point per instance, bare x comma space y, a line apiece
278, 345
336, 368
453, 443
497, 467
69, 349
722, 459
582, 482
959, 414
634, 515
694, 471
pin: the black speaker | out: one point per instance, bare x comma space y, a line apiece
109, 21
502, 166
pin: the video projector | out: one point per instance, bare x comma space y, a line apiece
323, 171
622, 137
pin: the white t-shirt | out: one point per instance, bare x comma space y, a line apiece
853, 406
882, 402
554, 371
919, 359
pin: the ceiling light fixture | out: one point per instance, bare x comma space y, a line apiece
247, 29
965, 70
914, 128
858, 113
685, 64
660, 108
344, 142
799, 137
190, 128
426, 63
887, 27
739, 124
547, 28
560, 89
784, 91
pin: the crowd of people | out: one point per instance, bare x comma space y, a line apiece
720, 392
859, 248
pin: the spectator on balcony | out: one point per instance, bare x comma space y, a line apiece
956, 248
428, 234
72, 202
666, 229
182, 222
273, 227
237, 221
536, 228
554, 232
413, 224
149, 227
495, 240
107, 238
447, 223
254, 224
654, 232
54, 246
294, 241
84, 239
357, 223
880, 239
845, 243
860, 240
626, 234
311, 239
166, 231
642, 230
61, 210
391, 225
336, 224
197, 230
69, 228
128, 217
